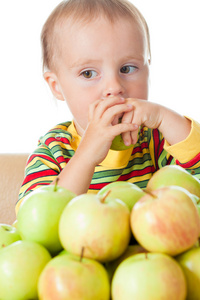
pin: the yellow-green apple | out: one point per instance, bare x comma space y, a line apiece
166, 220
151, 276
111, 266
71, 277
14, 224
126, 191
8, 235
174, 175
118, 144
190, 264
21, 264
101, 226
39, 214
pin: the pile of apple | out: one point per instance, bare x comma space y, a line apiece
122, 243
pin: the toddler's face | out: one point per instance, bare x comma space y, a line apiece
100, 59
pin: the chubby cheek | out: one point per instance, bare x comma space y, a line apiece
139, 86
143, 85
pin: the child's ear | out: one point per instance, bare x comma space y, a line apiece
53, 83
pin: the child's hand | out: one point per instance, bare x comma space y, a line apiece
153, 116
143, 113
103, 126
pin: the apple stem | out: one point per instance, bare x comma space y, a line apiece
56, 184
150, 193
82, 252
105, 196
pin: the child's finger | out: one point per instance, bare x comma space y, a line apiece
127, 138
115, 113
128, 116
134, 136
104, 104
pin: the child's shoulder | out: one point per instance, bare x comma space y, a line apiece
61, 127
57, 133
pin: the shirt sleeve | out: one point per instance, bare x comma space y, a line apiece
41, 169
47, 161
187, 149
187, 152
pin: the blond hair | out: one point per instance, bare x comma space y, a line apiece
85, 11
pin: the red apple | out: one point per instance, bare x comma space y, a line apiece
101, 226
71, 277
174, 175
166, 220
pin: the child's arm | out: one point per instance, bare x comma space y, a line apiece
174, 127
95, 143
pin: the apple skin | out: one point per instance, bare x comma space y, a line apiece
130, 250
166, 221
69, 277
118, 144
21, 264
126, 191
151, 276
102, 227
39, 214
190, 264
196, 201
8, 235
174, 175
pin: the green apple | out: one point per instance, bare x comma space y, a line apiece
39, 214
111, 266
101, 226
190, 263
174, 175
166, 220
151, 276
69, 277
118, 144
14, 224
8, 235
21, 264
126, 191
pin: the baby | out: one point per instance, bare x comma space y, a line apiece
96, 57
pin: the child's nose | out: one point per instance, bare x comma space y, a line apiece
113, 87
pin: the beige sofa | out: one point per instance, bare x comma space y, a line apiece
12, 168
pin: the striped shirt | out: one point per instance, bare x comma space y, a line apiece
136, 165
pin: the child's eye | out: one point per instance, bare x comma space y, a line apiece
128, 69
89, 74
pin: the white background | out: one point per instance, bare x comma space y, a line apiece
27, 109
